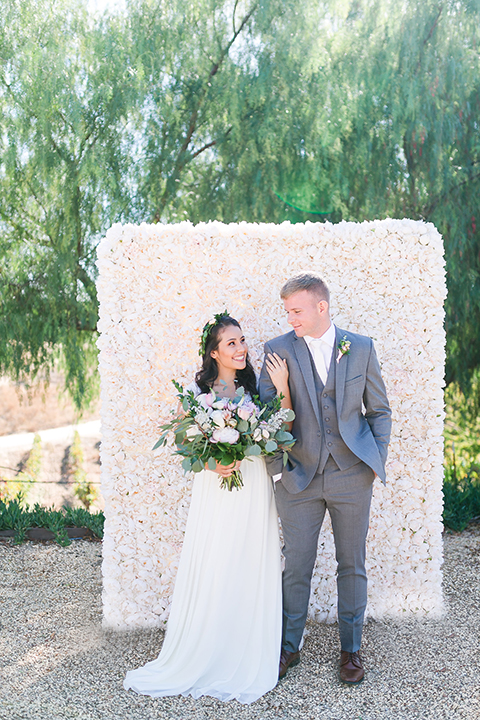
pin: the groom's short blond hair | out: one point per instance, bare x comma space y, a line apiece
310, 283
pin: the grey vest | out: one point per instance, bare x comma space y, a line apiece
331, 443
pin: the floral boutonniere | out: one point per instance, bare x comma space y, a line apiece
343, 348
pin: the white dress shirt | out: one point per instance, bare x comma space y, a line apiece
321, 349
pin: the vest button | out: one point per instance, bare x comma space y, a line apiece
325, 395
327, 419
329, 444
329, 431
325, 407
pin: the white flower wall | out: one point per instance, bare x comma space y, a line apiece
159, 284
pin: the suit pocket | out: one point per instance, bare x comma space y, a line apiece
352, 381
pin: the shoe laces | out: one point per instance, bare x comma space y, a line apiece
354, 658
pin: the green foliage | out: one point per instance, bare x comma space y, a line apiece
64, 94
462, 427
22, 483
461, 487
405, 109
461, 497
257, 110
15, 516
84, 490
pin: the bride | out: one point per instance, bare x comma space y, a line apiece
223, 635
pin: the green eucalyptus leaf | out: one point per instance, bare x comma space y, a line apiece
283, 436
242, 426
270, 446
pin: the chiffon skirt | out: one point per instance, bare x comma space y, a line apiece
223, 635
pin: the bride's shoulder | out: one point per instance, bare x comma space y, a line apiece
193, 387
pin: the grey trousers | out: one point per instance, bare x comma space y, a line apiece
347, 495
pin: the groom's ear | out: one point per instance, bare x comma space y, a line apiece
323, 307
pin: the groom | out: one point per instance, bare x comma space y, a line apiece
342, 429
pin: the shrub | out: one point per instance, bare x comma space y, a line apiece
15, 516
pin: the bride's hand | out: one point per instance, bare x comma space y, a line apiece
227, 470
277, 368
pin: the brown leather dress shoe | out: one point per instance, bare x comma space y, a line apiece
287, 659
351, 668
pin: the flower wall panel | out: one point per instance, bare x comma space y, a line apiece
159, 284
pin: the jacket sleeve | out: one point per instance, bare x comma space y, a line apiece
377, 408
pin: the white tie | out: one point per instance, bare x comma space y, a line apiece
318, 347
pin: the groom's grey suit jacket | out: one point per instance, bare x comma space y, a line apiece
363, 415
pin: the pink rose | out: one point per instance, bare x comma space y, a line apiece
246, 411
206, 400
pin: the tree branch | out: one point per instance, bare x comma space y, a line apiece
182, 158
87, 283
233, 16
431, 31
451, 190
209, 145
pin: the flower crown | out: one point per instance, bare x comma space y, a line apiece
207, 329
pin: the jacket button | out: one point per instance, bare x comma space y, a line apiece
329, 444
325, 407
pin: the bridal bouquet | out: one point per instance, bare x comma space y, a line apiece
213, 429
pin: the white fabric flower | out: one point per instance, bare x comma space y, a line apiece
146, 286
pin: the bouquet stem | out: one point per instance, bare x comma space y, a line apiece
234, 480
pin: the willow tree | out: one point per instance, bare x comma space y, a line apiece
65, 96
258, 110
404, 105
147, 115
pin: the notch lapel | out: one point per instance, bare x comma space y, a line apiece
303, 356
340, 370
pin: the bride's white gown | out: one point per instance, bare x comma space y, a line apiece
224, 631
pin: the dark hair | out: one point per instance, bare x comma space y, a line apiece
208, 373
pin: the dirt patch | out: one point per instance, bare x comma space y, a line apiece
21, 411
42, 408
55, 486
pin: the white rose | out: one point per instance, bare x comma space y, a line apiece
217, 418
227, 435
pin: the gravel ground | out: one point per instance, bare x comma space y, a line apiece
58, 663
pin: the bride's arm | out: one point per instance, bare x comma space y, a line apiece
277, 369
